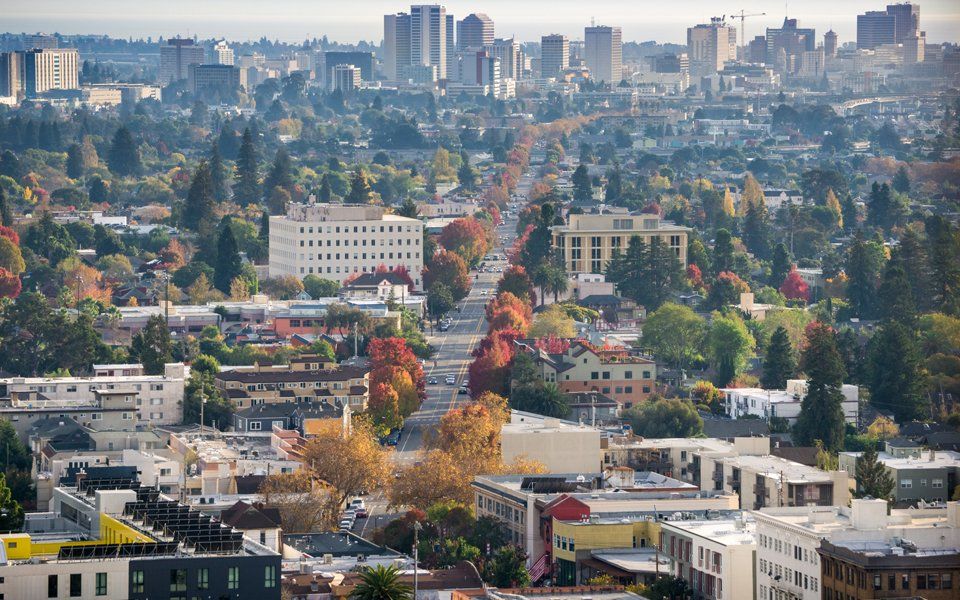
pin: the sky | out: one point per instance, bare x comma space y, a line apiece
349, 21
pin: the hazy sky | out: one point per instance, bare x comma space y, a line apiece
348, 21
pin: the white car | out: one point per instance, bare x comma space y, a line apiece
451, 380
357, 504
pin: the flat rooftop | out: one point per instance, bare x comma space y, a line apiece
774, 466
941, 459
729, 532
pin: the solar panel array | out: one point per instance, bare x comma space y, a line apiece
195, 530
90, 486
102, 551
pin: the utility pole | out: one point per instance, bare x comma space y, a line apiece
202, 402
416, 553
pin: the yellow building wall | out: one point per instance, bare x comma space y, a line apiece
595, 536
19, 546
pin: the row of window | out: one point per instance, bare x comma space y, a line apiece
359, 256
907, 484
892, 581
360, 229
346, 243
563, 543
71, 388
606, 375
179, 579
76, 585
798, 552
505, 511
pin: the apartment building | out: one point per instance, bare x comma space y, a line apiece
575, 540
116, 397
783, 404
675, 457
626, 377
715, 556
588, 241
918, 475
789, 542
49, 69
710, 45
337, 241
302, 381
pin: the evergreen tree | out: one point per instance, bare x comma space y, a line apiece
780, 265
821, 411
723, 252
359, 188
756, 229
863, 271
152, 346
901, 181
326, 192
883, 210
614, 188
873, 479
11, 513
895, 296
779, 364
408, 209
218, 173
198, 211
280, 174
911, 256
849, 213
246, 187
228, 264
6, 216
124, 156
264, 234
466, 174
74, 161
944, 264
646, 273
582, 186
895, 372
98, 191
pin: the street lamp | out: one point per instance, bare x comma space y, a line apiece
416, 553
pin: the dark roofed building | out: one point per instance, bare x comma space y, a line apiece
258, 522
341, 386
727, 429
381, 286
285, 415
335, 543
614, 309
592, 408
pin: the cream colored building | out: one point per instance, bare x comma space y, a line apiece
588, 242
561, 447
337, 241
715, 557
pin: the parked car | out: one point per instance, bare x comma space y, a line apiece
451, 380
432, 381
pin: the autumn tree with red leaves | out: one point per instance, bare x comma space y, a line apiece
468, 238
516, 281
794, 287
10, 286
397, 384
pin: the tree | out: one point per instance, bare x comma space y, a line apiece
779, 364
228, 265
280, 174
883, 210
726, 290
152, 345
864, 262
582, 186
883, 428
439, 299
467, 237
360, 192
198, 211
552, 321
646, 273
201, 390
319, 287
895, 371
722, 252
901, 181
326, 190
466, 173
896, 296
10, 284
781, 265
729, 344
821, 412
665, 418
944, 264
246, 185
349, 462
516, 281
873, 479
124, 156
542, 398
381, 583
449, 268
11, 259
303, 505
794, 287
833, 203
756, 229
11, 513
6, 215
675, 333
218, 174
74, 162
507, 568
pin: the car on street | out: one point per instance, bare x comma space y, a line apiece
464, 390
346, 524
432, 381
393, 438
451, 379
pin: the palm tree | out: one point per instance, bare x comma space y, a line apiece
541, 279
557, 282
381, 583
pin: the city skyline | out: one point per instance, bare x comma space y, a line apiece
295, 20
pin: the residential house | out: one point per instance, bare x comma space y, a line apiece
928, 476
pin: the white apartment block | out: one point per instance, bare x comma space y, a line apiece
715, 557
154, 398
336, 241
788, 565
766, 404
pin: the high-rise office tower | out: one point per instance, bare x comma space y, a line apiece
11, 83
710, 45
787, 44
875, 28
176, 56
50, 69
603, 53
223, 53
43, 41
511, 58
830, 44
453, 69
475, 31
907, 25
428, 37
396, 45
554, 55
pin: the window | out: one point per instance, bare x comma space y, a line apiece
136, 580
877, 582
270, 577
606, 374
101, 584
938, 483
53, 589
906, 484
254, 425
203, 579
628, 374
233, 578
594, 375
76, 585
178, 580
904, 581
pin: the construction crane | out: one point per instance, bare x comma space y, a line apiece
743, 16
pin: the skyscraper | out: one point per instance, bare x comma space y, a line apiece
830, 44
453, 69
907, 21
428, 36
874, 28
511, 58
475, 31
710, 45
10, 81
787, 44
50, 69
176, 56
396, 45
603, 53
554, 55
222, 53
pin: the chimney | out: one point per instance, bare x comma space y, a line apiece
933, 455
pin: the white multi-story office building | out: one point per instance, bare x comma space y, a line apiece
176, 56
710, 45
223, 53
554, 55
715, 556
428, 36
336, 241
50, 69
396, 45
511, 57
345, 78
603, 53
